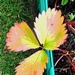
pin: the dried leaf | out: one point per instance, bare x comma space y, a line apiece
50, 29
21, 38
33, 65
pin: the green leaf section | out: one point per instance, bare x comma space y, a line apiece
64, 2
43, 56
71, 16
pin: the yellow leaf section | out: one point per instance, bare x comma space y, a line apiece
50, 29
41, 27
33, 65
29, 37
21, 38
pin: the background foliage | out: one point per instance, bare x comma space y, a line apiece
10, 12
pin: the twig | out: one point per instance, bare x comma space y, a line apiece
71, 28
73, 66
59, 59
70, 24
55, 4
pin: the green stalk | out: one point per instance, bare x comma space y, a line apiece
43, 5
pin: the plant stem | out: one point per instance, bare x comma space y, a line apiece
55, 3
59, 59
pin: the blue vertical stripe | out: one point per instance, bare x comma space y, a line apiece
50, 65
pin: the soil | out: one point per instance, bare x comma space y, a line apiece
64, 67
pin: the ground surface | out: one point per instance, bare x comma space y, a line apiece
64, 67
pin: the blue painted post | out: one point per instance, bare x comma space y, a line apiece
43, 5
